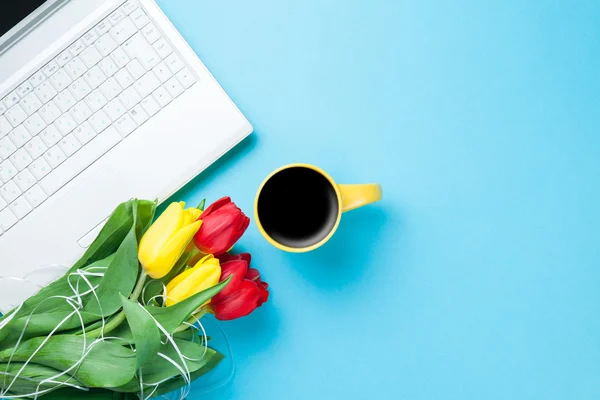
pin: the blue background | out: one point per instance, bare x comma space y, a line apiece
478, 276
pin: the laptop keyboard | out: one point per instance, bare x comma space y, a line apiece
81, 104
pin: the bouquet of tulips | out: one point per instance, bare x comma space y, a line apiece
123, 322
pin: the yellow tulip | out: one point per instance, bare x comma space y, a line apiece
166, 240
204, 275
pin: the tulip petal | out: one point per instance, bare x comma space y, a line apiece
171, 251
253, 275
191, 215
203, 276
159, 233
235, 268
216, 205
241, 303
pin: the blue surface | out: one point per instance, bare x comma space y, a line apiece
478, 276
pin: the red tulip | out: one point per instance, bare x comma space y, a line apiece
223, 258
223, 224
241, 303
237, 268
244, 293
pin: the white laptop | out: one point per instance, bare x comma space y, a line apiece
100, 101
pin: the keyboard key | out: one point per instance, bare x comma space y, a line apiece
50, 135
19, 136
45, 92
65, 124
69, 145
65, 101
163, 48
116, 17
174, 63
80, 161
129, 7
40, 168
114, 109
25, 180
5, 126
139, 18
60, 80
2, 108
7, 171
75, 68
162, 96
63, 58
174, 87
10, 191
30, 103
90, 56
11, 99
99, 121
111, 88
90, 37
34, 124
37, 78
120, 57
136, 69
36, 196
150, 31
94, 77
80, 89
186, 77
54, 157
108, 67
162, 72
21, 207
105, 45
7, 219
3, 205
50, 69
36, 147
80, 112
96, 100
124, 78
103, 27
16, 115
150, 105
123, 30
139, 115
24, 89
129, 98
84, 133
77, 47
7, 148
21, 159
125, 125
146, 84
138, 47
50, 112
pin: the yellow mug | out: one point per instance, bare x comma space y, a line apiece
299, 206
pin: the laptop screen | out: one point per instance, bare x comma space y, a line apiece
14, 11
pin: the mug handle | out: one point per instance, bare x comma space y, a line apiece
355, 196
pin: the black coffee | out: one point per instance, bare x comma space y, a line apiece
298, 207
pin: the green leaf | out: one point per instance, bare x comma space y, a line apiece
107, 364
201, 205
145, 215
175, 384
171, 317
110, 237
158, 368
30, 379
146, 334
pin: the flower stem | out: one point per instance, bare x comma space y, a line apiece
120, 317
